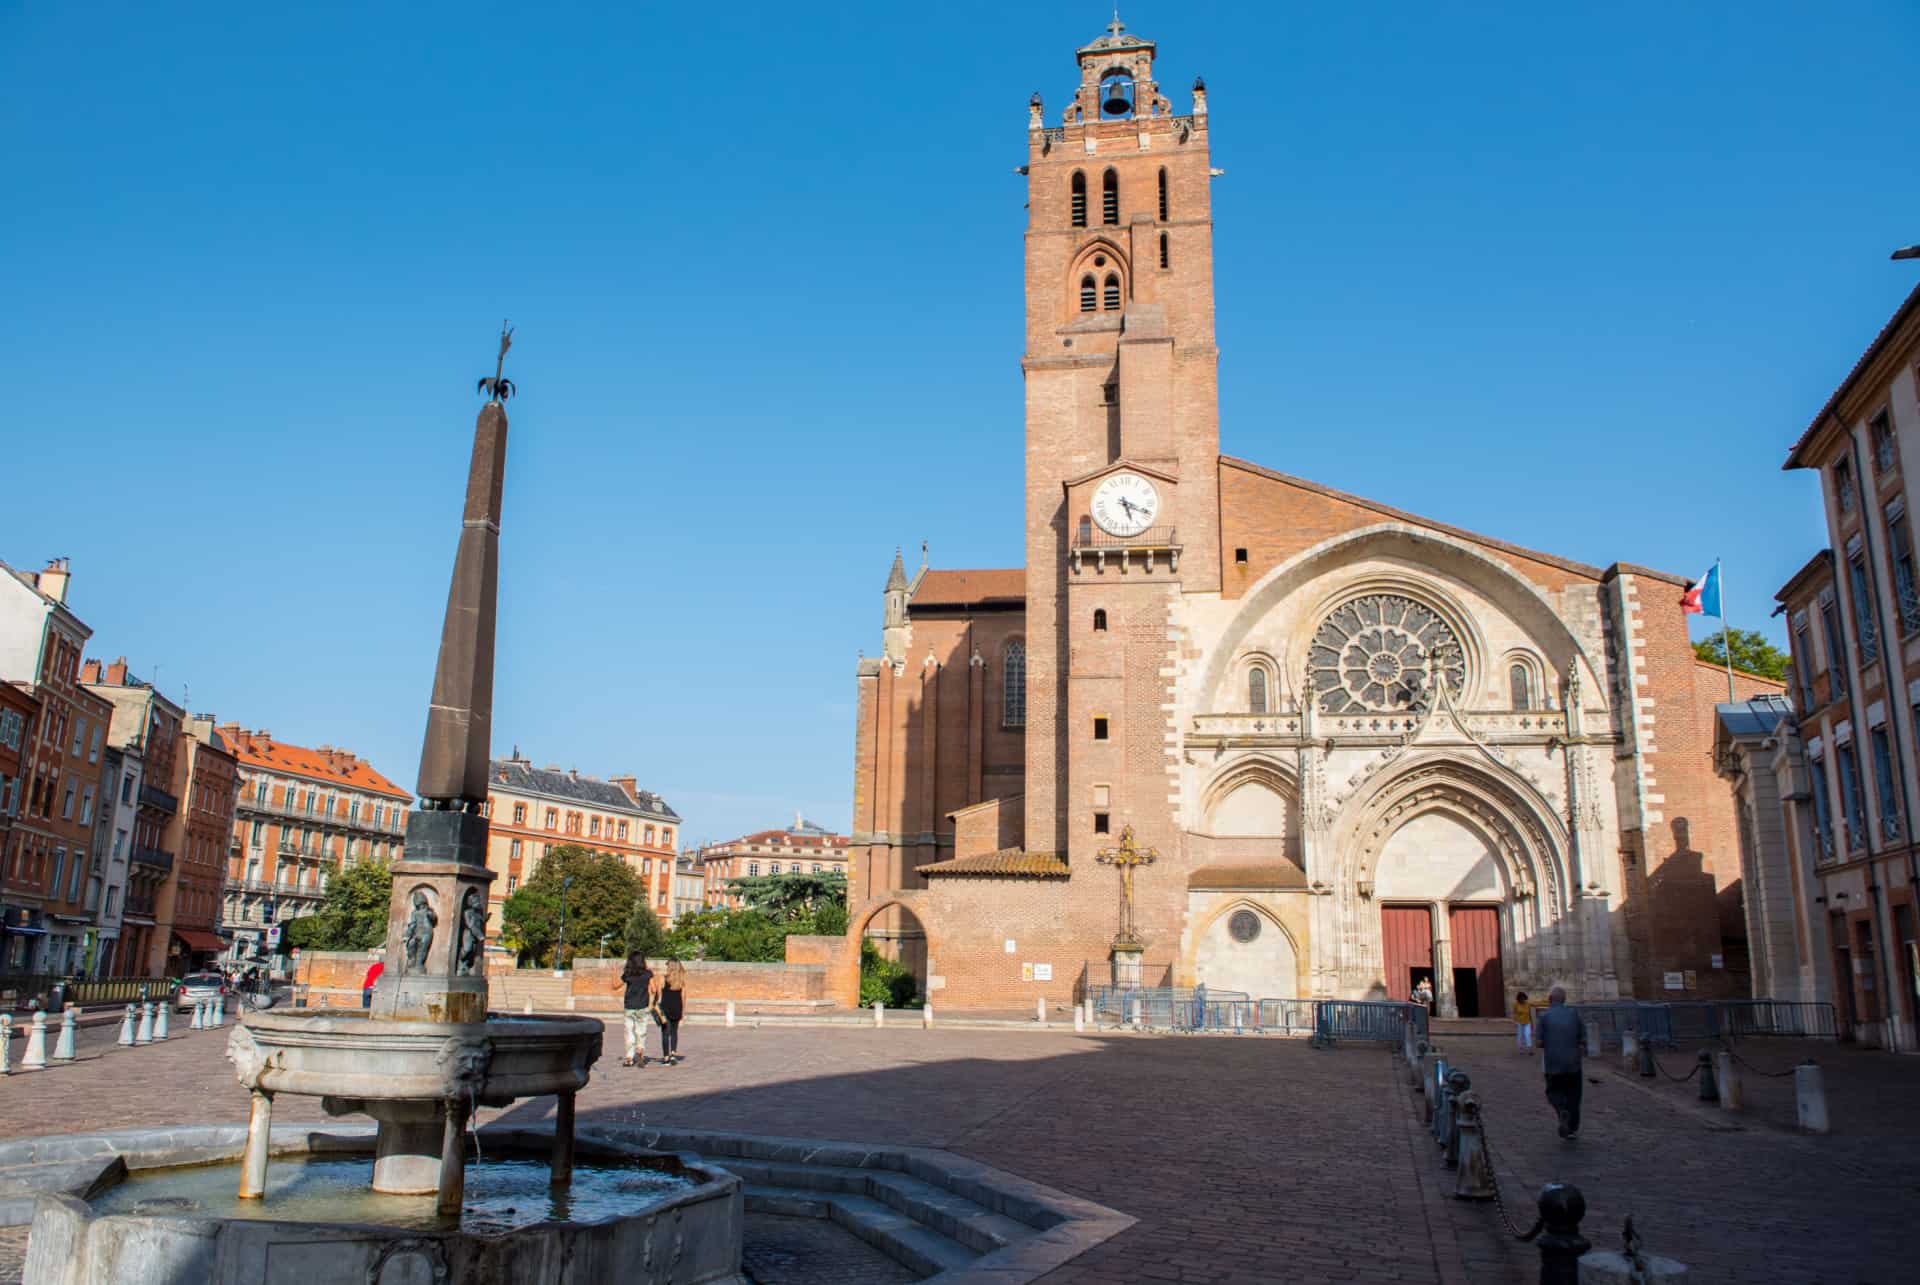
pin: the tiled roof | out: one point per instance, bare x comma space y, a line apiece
1007, 861
1250, 877
970, 588
1794, 457
337, 768
518, 774
1719, 668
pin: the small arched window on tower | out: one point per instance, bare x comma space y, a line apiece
1079, 199
1113, 292
1089, 294
1163, 194
1257, 690
1166, 260
1110, 198
1522, 683
1013, 686
1100, 620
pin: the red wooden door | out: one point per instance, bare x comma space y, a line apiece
1406, 936
1476, 945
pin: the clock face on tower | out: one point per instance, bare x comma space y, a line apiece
1125, 504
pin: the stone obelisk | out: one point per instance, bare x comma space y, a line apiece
436, 926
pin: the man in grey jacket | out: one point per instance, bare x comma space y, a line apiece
1561, 1048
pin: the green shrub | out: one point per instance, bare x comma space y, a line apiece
885, 981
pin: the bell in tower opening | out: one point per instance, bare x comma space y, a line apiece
1116, 94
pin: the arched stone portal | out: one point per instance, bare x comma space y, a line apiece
900, 929
1245, 947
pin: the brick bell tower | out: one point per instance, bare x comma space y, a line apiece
1122, 451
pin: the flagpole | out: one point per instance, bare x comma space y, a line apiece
1726, 642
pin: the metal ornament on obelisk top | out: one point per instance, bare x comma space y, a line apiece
437, 924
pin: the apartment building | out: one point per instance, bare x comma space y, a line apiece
1853, 623
140, 809
533, 809
801, 847
302, 813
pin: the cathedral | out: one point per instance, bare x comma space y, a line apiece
1228, 726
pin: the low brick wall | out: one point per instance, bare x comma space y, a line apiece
753, 988
331, 978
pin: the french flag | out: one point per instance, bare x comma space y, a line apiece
1703, 595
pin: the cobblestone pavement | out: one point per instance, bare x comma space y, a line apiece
1245, 1160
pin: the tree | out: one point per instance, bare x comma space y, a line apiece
352, 915
598, 904
793, 896
644, 932
1751, 653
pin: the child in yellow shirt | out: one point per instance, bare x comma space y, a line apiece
1523, 1022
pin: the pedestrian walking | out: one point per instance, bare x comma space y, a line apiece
366, 984
667, 1008
1562, 1045
633, 1008
1423, 994
1523, 1023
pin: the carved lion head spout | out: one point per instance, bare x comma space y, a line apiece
463, 1066
244, 1052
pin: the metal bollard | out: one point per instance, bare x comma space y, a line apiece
36, 1055
199, 1021
219, 1009
1646, 1058
926, 1017
1708, 1092
1475, 1173
1413, 1067
879, 1013
1629, 1051
1810, 1097
1727, 1080
126, 1029
1442, 1090
730, 1013
69, 1023
1561, 1244
1429, 1062
160, 1019
144, 1035
1593, 1038
1040, 1010
6, 1044
1457, 1084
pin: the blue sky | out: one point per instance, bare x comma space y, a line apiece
1574, 279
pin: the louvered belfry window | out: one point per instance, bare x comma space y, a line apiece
1113, 292
1163, 196
1089, 294
1079, 199
1165, 260
1110, 198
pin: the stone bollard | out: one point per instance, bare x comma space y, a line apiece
1593, 1038
145, 1034
1727, 1080
69, 1023
1457, 1084
1647, 1071
1079, 1019
1087, 1006
879, 1013
219, 1009
1629, 1051
1561, 1244
36, 1055
161, 1010
1413, 1068
926, 1017
730, 1014
6, 1044
126, 1029
199, 1022
1428, 1062
1708, 1091
1139, 1012
1040, 1010
1810, 1097
526, 1007
1474, 1173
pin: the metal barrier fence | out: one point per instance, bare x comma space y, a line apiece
1384, 1020
1668, 1025
17, 989
1286, 1016
1175, 1008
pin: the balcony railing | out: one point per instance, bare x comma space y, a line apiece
1090, 542
1909, 608
158, 858
155, 797
396, 822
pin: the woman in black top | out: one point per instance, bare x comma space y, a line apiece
668, 1009
638, 998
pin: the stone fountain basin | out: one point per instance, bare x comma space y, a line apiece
689, 1239
350, 1057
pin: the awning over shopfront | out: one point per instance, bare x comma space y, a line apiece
198, 939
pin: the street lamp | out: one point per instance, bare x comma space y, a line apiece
560, 949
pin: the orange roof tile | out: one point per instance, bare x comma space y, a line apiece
336, 767
1007, 861
970, 588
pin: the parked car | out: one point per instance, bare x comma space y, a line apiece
196, 987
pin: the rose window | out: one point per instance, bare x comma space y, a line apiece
1243, 926
1382, 652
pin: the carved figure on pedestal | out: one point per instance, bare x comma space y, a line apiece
473, 934
418, 938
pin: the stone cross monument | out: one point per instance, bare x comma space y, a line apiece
1127, 857
436, 927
